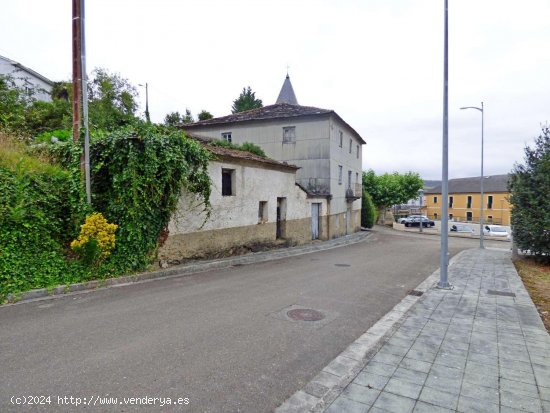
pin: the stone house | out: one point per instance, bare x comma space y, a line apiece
254, 200
327, 150
27, 79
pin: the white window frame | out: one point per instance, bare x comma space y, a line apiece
289, 134
340, 171
227, 136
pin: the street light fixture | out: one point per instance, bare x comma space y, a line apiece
146, 102
481, 177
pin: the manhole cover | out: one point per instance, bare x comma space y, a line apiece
416, 293
502, 293
342, 265
305, 314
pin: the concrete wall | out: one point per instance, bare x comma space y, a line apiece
234, 219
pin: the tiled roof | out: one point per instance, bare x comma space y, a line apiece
276, 111
234, 153
494, 183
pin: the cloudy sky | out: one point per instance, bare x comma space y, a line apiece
377, 63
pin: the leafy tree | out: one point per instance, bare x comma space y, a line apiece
368, 211
530, 198
246, 101
176, 118
205, 115
112, 100
391, 189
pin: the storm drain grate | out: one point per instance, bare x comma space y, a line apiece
416, 293
305, 314
502, 293
342, 265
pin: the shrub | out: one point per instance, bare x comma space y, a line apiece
368, 211
96, 239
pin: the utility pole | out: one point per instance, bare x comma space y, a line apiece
147, 103
77, 70
87, 177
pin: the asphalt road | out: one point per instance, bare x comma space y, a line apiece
219, 338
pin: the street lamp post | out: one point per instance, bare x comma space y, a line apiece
147, 117
480, 178
420, 194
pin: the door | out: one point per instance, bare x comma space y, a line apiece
278, 220
315, 213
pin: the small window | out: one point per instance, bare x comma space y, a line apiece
262, 212
435, 215
227, 137
339, 174
349, 179
490, 202
357, 151
451, 199
356, 177
435, 200
341, 139
468, 216
490, 219
469, 203
228, 178
350, 145
451, 217
289, 134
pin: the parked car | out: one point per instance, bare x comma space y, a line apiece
410, 217
415, 222
461, 228
495, 231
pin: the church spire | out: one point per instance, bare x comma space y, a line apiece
287, 93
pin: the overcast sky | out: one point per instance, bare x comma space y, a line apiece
377, 63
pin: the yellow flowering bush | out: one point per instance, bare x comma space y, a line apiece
96, 239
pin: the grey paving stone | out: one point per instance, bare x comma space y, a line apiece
422, 407
418, 365
361, 394
518, 387
394, 403
483, 359
449, 360
506, 409
516, 365
444, 384
469, 405
473, 367
544, 393
411, 376
482, 379
403, 388
401, 342
345, 405
545, 406
375, 381
388, 358
517, 375
341, 366
439, 398
521, 402
475, 391
382, 369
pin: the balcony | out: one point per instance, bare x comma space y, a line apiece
354, 192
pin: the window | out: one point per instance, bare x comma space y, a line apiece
341, 139
490, 202
227, 136
349, 179
228, 182
356, 177
357, 151
289, 134
435, 215
262, 212
490, 219
350, 145
339, 174
435, 200
451, 199
468, 216
451, 217
469, 204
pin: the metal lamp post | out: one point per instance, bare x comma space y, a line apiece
147, 117
481, 177
420, 194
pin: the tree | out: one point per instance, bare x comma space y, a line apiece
368, 211
391, 189
112, 100
205, 115
530, 198
176, 118
246, 101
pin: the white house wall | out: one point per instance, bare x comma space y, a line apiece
234, 219
26, 81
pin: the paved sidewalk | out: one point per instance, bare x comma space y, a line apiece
480, 347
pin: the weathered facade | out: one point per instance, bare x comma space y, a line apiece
254, 201
27, 79
327, 150
465, 197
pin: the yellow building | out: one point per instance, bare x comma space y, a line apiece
464, 200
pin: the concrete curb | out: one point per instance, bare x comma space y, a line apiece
321, 391
185, 269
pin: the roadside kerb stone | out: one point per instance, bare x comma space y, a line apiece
351, 361
186, 269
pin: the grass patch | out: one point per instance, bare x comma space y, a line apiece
536, 277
